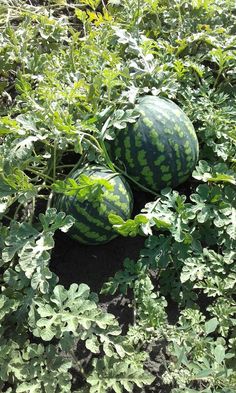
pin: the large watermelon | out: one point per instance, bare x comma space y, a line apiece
160, 149
92, 225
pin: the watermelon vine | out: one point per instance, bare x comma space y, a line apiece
98, 101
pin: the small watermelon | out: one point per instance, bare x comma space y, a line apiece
160, 149
91, 215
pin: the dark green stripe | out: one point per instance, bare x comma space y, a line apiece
167, 140
70, 208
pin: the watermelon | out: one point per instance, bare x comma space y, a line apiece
160, 149
91, 214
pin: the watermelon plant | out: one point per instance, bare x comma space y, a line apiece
161, 148
73, 74
90, 196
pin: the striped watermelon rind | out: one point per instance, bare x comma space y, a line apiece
92, 225
161, 149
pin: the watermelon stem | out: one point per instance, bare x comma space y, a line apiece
138, 15
50, 200
136, 182
115, 168
42, 175
32, 210
75, 167
66, 166
106, 156
54, 160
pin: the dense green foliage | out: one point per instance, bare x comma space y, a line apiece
90, 195
161, 148
70, 75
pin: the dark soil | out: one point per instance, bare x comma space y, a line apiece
93, 265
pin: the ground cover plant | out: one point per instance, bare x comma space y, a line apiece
71, 73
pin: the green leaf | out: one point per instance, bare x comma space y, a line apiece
222, 178
204, 373
219, 352
110, 373
89, 187
8, 125
216, 174
18, 237
211, 325
5, 189
67, 342
161, 223
53, 220
92, 344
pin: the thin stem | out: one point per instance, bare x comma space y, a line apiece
33, 209
135, 182
115, 168
17, 210
93, 139
217, 78
72, 57
139, 1
54, 160
7, 217
66, 166
180, 25
42, 197
134, 312
154, 205
138, 15
43, 176
103, 4
76, 364
49, 200
106, 156
75, 167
